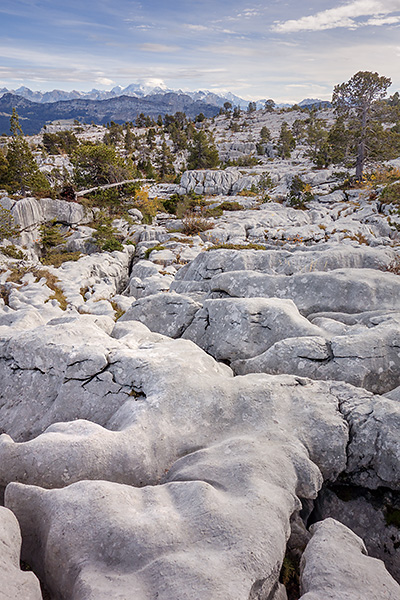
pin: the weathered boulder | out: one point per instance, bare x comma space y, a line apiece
15, 584
305, 260
169, 314
160, 398
371, 515
346, 290
238, 328
201, 532
335, 566
208, 182
365, 357
29, 214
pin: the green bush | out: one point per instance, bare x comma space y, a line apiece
299, 194
243, 161
12, 252
51, 236
56, 259
391, 194
180, 205
150, 250
106, 237
8, 228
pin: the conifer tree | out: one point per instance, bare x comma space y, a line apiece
203, 153
23, 172
286, 141
359, 103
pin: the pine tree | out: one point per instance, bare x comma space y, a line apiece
98, 165
286, 141
317, 140
359, 103
166, 169
3, 166
203, 154
23, 172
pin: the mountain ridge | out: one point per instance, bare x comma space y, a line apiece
34, 115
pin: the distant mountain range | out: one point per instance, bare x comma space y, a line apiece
33, 115
309, 102
133, 90
35, 109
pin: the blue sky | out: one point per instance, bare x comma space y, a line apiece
274, 49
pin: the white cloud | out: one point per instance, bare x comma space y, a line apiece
158, 48
344, 15
379, 21
104, 81
196, 27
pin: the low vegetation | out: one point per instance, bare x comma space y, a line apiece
194, 224
18, 273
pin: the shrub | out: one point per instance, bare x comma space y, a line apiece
51, 236
147, 206
98, 165
243, 161
217, 211
8, 228
180, 205
193, 224
12, 252
106, 236
265, 182
56, 259
299, 194
150, 250
391, 194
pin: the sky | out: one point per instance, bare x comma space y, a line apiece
274, 49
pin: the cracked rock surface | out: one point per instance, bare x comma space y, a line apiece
175, 431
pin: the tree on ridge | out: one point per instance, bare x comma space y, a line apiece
359, 103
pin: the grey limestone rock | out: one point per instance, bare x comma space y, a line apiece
346, 290
335, 566
368, 515
208, 182
217, 522
169, 314
240, 328
365, 357
305, 260
14, 583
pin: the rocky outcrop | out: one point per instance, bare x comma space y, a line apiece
138, 464
169, 314
285, 262
235, 328
166, 544
358, 509
29, 214
15, 583
364, 356
341, 290
335, 565
208, 182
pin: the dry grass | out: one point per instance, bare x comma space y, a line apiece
56, 259
393, 267
193, 224
52, 282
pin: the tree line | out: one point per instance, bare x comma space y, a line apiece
366, 127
